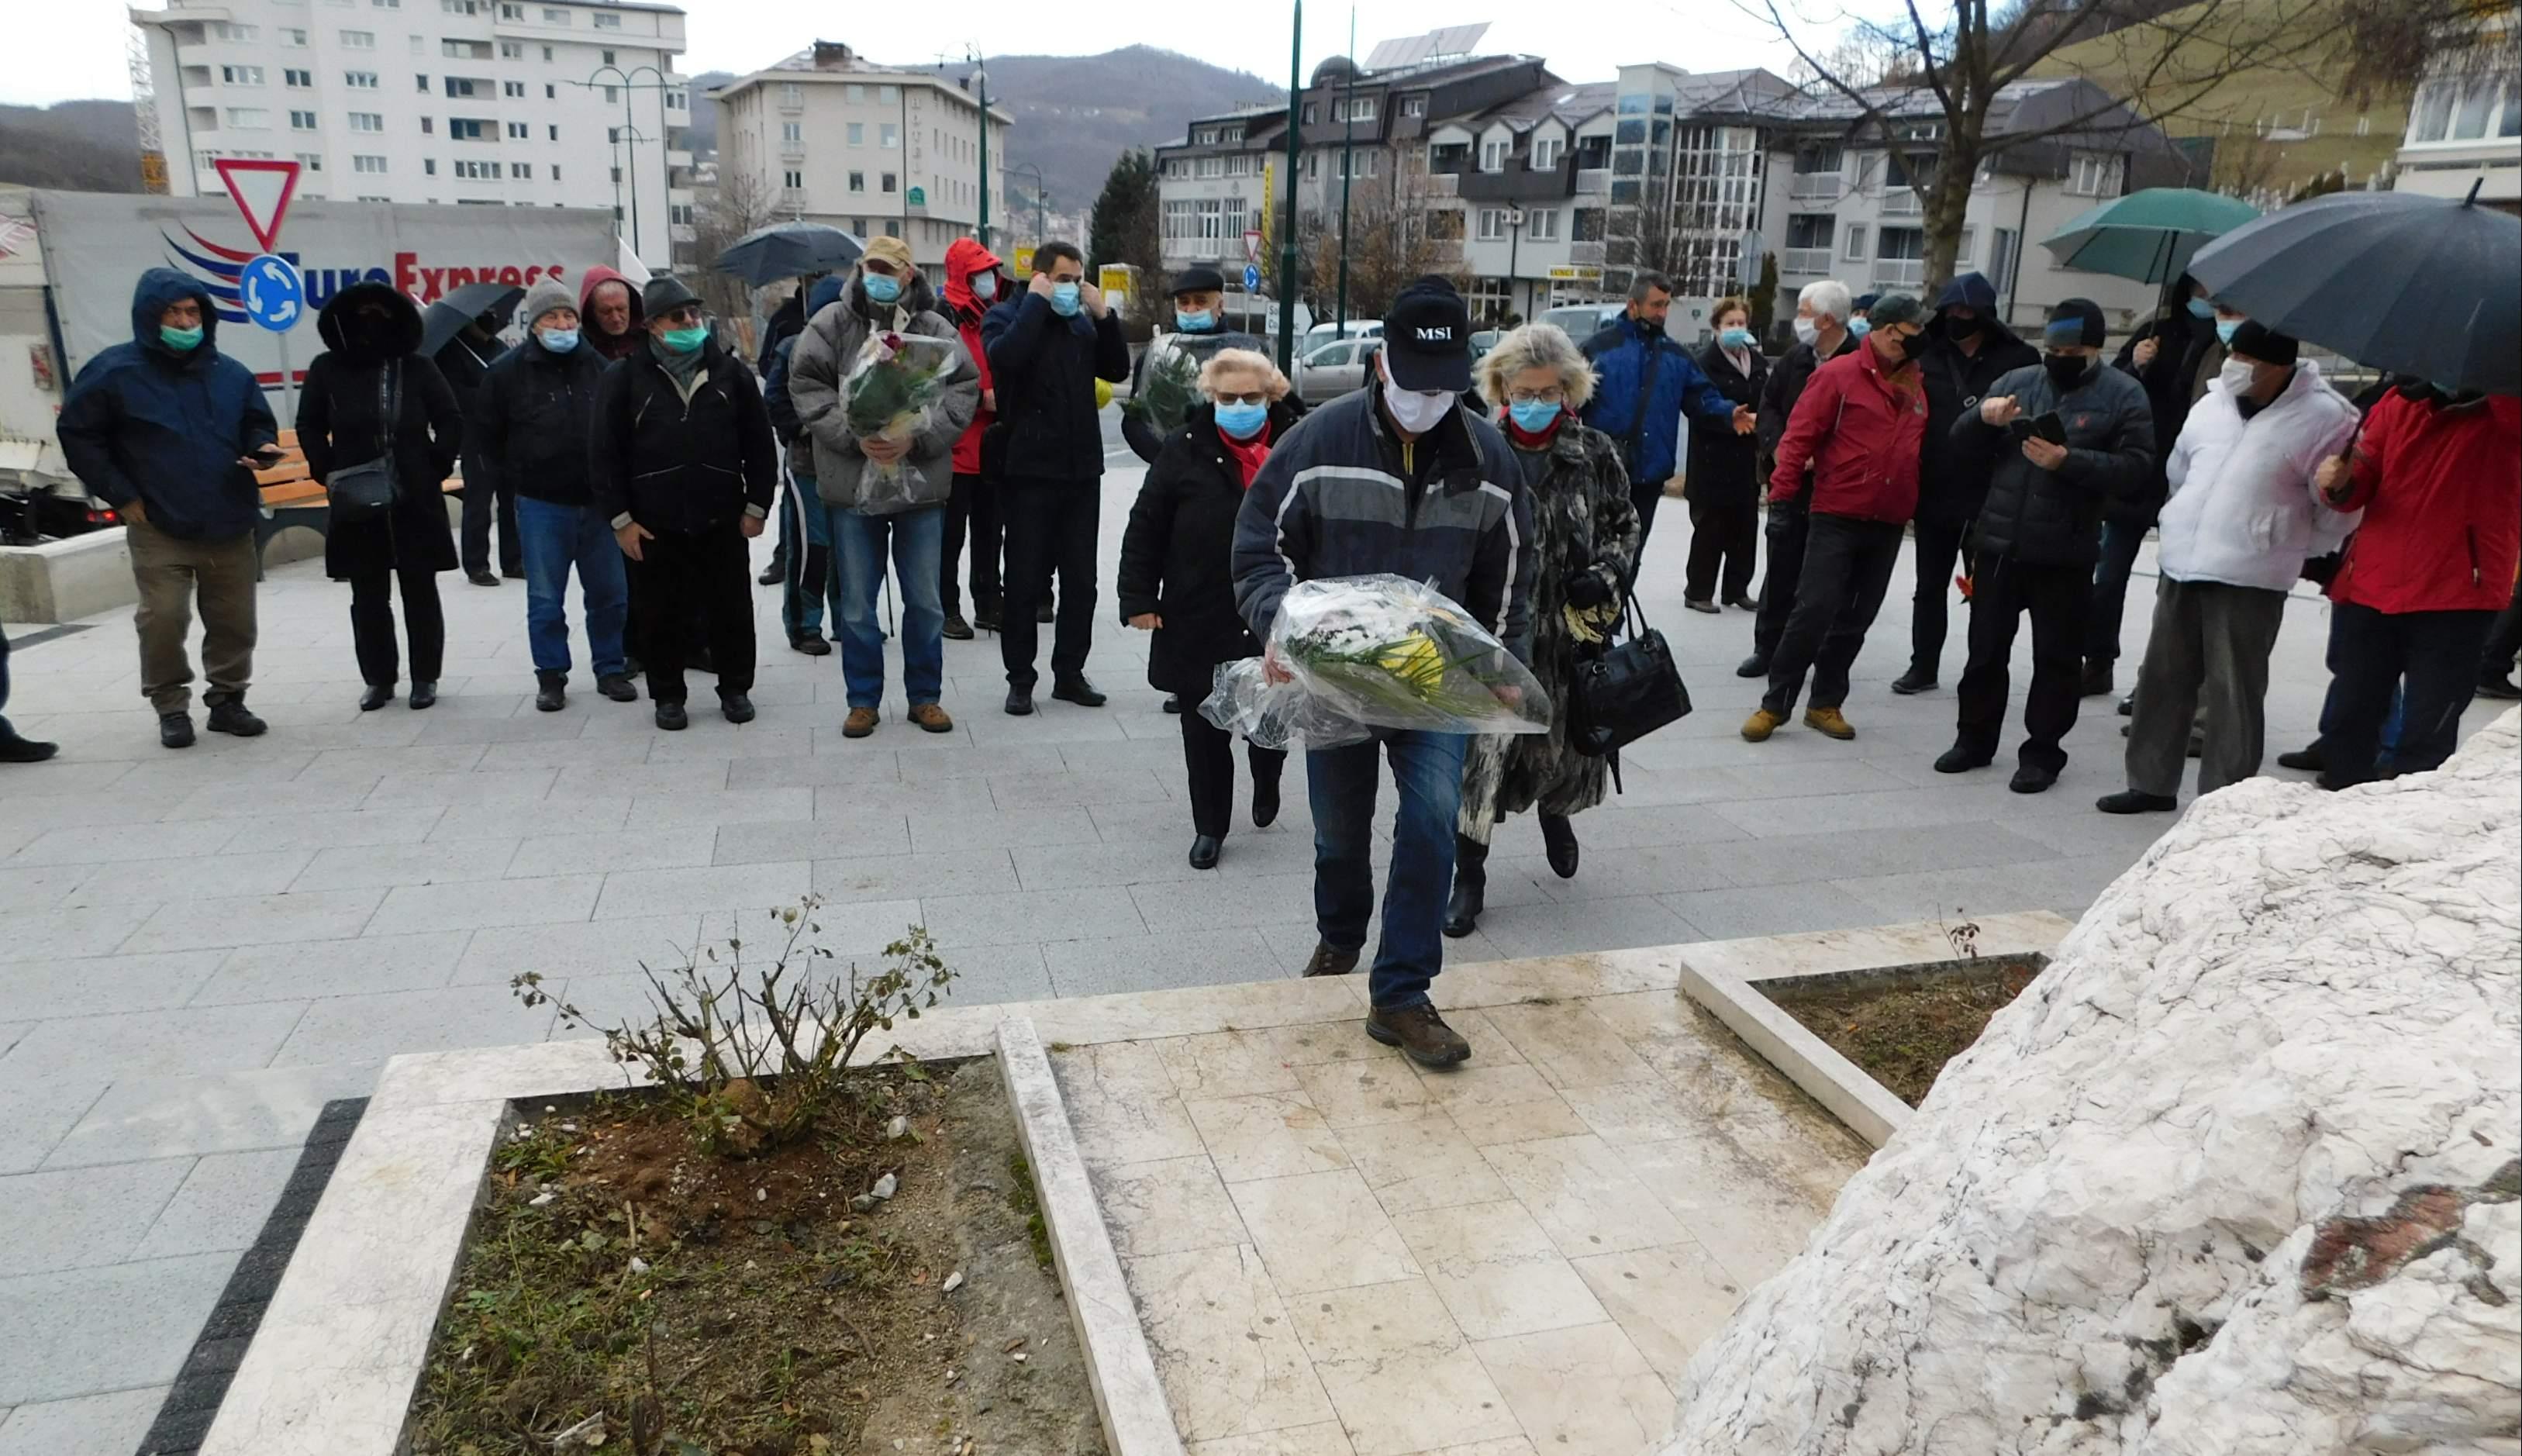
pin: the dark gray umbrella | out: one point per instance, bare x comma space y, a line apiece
2415, 285
788, 249
459, 307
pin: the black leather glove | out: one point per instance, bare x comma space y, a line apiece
1587, 590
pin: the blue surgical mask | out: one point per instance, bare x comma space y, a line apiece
1241, 421
1064, 300
985, 286
2199, 308
881, 288
559, 341
1532, 416
1194, 323
182, 341
2227, 328
1858, 328
1735, 338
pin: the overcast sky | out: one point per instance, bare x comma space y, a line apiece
80, 42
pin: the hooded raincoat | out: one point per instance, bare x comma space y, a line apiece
341, 421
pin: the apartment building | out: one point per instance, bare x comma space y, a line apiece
828, 136
1691, 161
487, 103
2466, 125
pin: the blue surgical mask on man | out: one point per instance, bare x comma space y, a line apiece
2227, 328
881, 288
1532, 416
1858, 328
559, 341
1241, 421
1735, 338
1194, 323
1064, 300
2199, 308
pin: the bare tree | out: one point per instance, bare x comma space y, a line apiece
741, 202
1396, 232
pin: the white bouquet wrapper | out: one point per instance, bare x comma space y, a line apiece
886, 396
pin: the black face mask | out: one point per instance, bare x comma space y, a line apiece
2067, 370
1899, 348
1957, 328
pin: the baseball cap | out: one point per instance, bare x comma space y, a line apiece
1428, 337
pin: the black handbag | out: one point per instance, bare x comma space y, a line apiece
368, 489
1626, 692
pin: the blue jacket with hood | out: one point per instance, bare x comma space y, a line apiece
143, 422
1634, 360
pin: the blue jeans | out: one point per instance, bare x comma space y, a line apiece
812, 574
556, 538
2120, 540
1340, 783
917, 539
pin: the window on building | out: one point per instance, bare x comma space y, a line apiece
547, 56
889, 95
1492, 225
231, 30
551, 92
555, 133
510, 11
2096, 173
1546, 152
1313, 165
793, 132
606, 20
1541, 225
1855, 242
367, 122
609, 59
465, 50
854, 92
680, 213
517, 131
857, 133
2000, 260
464, 86
554, 14
428, 127
1812, 230
248, 118
312, 162
513, 90
1967, 252
523, 171
467, 130
1205, 136
1239, 166
478, 171
362, 162
512, 50
240, 76
886, 182
612, 94
1309, 113
1900, 245
424, 83
888, 136
292, 37
1234, 133
793, 180
555, 171
1212, 167
360, 80
858, 181
359, 40
302, 120
460, 6
298, 80
1493, 155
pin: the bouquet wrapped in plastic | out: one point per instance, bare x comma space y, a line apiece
886, 396
1361, 653
1168, 388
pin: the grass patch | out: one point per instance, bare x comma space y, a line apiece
1028, 1206
1902, 1029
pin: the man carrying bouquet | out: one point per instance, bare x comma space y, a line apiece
1395, 478
882, 384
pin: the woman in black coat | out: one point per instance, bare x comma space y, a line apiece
1721, 479
1176, 580
371, 334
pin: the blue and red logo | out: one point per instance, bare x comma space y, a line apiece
219, 268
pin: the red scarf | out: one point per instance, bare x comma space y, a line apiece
1248, 454
1535, 442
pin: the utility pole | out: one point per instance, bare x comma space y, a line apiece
981, 81
1514, 256
1287, 219
1348, 170
630, 142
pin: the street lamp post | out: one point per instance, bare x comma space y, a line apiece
1513, 253
1288, 222
1040, 188
1348, 171
627, 80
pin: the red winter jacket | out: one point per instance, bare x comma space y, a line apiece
1860, 431
963, 258
2442, 495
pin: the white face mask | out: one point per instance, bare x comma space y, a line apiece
1413, 411
2237, 375
1807, 330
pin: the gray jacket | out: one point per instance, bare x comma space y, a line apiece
821, 360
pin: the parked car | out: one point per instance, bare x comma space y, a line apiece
1336, 369
1357, 328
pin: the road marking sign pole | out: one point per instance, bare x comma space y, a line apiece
262, 191
275, 296
1252, 277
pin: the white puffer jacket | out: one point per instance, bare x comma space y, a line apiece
2242, 510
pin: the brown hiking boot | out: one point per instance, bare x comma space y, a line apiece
1828, 723
1329, 961
1757, 727
931, 717
1422, 1035
861, 722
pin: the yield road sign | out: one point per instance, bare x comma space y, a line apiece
262, 191
272, 293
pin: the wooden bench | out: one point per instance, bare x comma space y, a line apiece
291, 496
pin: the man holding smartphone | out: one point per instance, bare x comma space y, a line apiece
169, 431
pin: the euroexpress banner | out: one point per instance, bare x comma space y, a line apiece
97, 245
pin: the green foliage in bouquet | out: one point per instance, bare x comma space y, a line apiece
1168, 391
893, 381
1405, 672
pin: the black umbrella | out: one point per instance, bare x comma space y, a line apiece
459, 307
2424, 286
788, 249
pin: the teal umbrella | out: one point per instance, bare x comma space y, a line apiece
2149, 235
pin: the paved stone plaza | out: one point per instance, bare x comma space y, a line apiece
198, 949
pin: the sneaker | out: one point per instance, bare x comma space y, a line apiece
1754, 665
1701, 605
2131, 801
481, 579
861, 724
2308, 760
2097, 678
956, 628
1329, 961
1078, 690
1913, 681
2030, 780
17, 750
230, 716
551, 691
672, 717
811, 644
931, 717
737, 707
617, 687
175, 730
1960, 760
1830, 722
1422, 1035
1757, 727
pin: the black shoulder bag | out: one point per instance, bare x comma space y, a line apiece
1626, 690
368, 489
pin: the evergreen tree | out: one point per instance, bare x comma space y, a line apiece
1125, 225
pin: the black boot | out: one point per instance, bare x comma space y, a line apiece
778, 568
1471, 887
551, 691
1559, 842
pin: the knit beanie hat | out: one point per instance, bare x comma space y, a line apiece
544, 297
2076, 321
2256, 339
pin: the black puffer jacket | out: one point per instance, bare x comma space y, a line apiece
2054, 517
1044, 368
1952, 482
1177, 557
527, 426
1725, 467
672, 463
341, 421
1778, 402
2187, 354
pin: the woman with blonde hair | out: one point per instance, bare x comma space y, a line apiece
1585, 533
1177, 583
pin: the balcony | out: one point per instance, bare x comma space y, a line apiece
1518, 183
1900, 273
1820, 187
1803, 262
1900, 201
678, 158
1585, 254
792, 198
788, 152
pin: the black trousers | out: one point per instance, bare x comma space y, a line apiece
1789, 528
680, 577
2438, 652
372, 625
2504, 639
478, 510
1724, 537
972, 510
1846, 568
2057, 597
1208, 752
1646, 498
1940, 547
1052, 526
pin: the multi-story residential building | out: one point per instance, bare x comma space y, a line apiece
2466, 125
1533, 176
828, 136
515, 103
1691, 158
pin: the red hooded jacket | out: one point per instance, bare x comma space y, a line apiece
963, 258
1860, 431
2442, 494
611, 345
